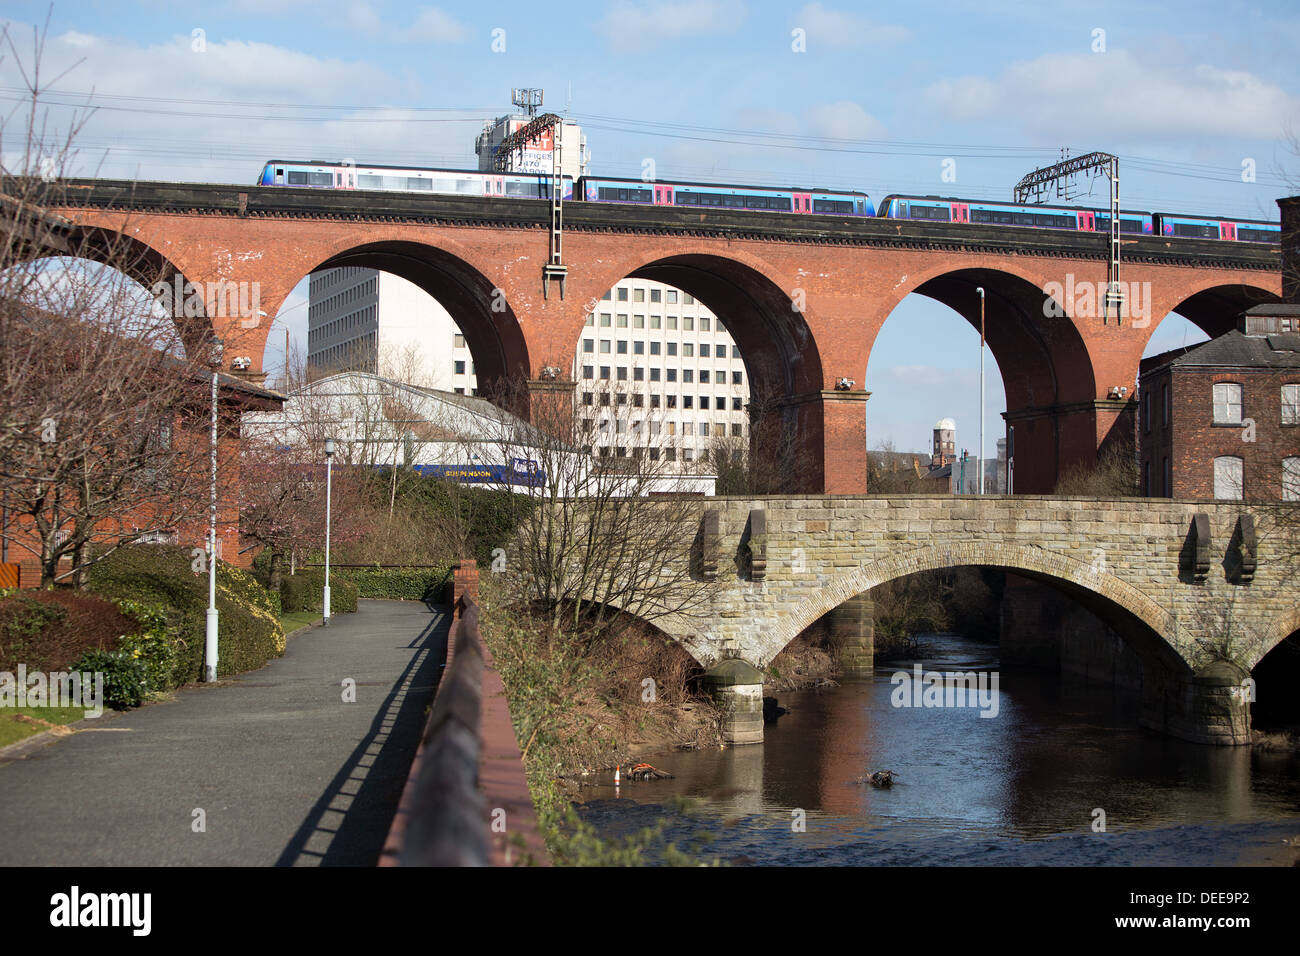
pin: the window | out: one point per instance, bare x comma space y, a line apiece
622, 346
1291, 404
1168, 470
460, 368
638, 375
688, 375
605, 319
622, 320
687, 299
638, 348
587, 398
672, 322
704, 323
459, 339
704, 402
737, 404
672, 374
655, 321
638, 399
672, 295
638, 321
656, 295
638, 295
622, 373
591, 319
1146, 411
735, 351
688, 324
609, 294
604, 346
672, 348
688, 428
604, 373
672, 403
688, 401
588, 371
735, 429
1164, 408
654, 375
589, 345
704, 376
654, 348
720, 403
1227, 477
604, 402
654, 403
688, 349
1227, 404
1291, 479
622, 294
737, 378
704, 350
719, 429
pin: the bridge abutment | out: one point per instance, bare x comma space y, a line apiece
853, 635
737, 688
1206, 708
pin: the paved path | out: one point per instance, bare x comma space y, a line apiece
286, 772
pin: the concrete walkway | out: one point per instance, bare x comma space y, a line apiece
285, 772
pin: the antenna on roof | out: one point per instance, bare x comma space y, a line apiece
526, 98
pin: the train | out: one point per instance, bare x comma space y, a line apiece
817, 202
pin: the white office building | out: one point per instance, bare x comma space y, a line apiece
654, 349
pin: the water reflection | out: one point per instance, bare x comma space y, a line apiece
972, 789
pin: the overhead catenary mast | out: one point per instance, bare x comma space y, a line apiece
537, 127
1058, 179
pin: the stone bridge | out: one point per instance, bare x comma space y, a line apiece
1188, 596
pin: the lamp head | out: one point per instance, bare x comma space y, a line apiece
329, 447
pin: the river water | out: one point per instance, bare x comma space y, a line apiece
1027, 786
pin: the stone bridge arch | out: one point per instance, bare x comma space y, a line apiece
1213, 308
1098, 588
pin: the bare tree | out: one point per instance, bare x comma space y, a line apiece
103, 392
609, 504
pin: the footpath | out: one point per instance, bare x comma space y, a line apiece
273, 767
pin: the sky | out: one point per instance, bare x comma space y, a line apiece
1200, 100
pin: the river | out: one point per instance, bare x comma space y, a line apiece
1032, 785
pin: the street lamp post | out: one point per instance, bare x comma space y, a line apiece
210, 637
980, 457
329, 465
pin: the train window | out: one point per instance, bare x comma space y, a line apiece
522, 189
1257, 234
833, 205
1189, 230
303, 178
935, 213
415, 182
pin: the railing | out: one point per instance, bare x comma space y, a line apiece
466, 800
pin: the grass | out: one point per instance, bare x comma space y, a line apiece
295, 620
21, 722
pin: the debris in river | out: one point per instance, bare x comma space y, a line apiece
881, 778
643, 771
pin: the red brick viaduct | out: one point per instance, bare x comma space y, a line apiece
803, 296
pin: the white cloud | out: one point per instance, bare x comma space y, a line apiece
840, 28
843, 120
646, 24
430, 25
1117, 94
434, 25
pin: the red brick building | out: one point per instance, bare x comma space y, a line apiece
1222, 419
234, 397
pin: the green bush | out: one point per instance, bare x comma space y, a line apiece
305, 591
152, 646
249, 628
125, 679
397, 584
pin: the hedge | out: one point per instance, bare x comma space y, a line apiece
397, 584
154, 574
305, 591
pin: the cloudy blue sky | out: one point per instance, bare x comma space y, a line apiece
873, 96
